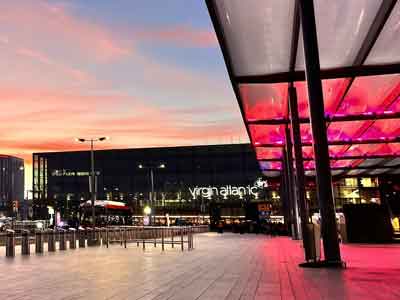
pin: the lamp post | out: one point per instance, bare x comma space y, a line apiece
151, 167
92, 176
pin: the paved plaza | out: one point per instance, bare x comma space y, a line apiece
226, 266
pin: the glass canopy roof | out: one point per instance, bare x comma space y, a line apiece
359, 48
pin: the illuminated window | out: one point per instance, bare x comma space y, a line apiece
350, 182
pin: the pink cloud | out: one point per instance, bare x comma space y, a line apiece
74, 73
182, 36
44, 21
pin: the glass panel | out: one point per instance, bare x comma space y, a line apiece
264, 101
271, 173
393, 162
345, 163
371, 94
258, 34
267, 134
336, 172
395, 107
333, 90
268, 153
386, 48
371, 162
373, 149
355, 172
379, 171
389, 128
270, 165
342, 25
346, 130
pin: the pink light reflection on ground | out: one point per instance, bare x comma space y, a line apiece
371, 273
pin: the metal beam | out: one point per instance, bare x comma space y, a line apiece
342, 72
339, 142
295, 37
369, 116
354, 157
225, 53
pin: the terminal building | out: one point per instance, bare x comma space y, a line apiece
189, 182
11, 185
196, 182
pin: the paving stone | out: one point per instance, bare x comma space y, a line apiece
227, 266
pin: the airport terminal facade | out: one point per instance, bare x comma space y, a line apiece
195, 181
187, 181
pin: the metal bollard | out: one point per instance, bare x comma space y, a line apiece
39, 241
162, 239
25, 245
90, 237
107, 236
50, 241
72, 238
82, 239
62, 243
10, 243
172, 237
182, 247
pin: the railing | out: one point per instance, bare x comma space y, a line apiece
141, 235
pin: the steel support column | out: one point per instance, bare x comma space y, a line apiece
286, 191
318, 126
291, 186
300, 177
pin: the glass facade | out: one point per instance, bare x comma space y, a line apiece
11, 185
186, 180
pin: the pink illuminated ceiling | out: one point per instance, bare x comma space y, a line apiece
359, 62
367, 96
264, 101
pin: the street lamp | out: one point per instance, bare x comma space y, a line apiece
151, 167
92, 177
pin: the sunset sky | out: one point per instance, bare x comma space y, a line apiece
145, 73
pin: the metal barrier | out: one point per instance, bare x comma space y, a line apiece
62, 243
39, 241
10, 243
139, 235
25, 243
72, 238
51, 242
143, 235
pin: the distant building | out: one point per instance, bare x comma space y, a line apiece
11, 185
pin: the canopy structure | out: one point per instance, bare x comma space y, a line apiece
318, 86
359, 53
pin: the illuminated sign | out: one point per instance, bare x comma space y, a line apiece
228, 190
